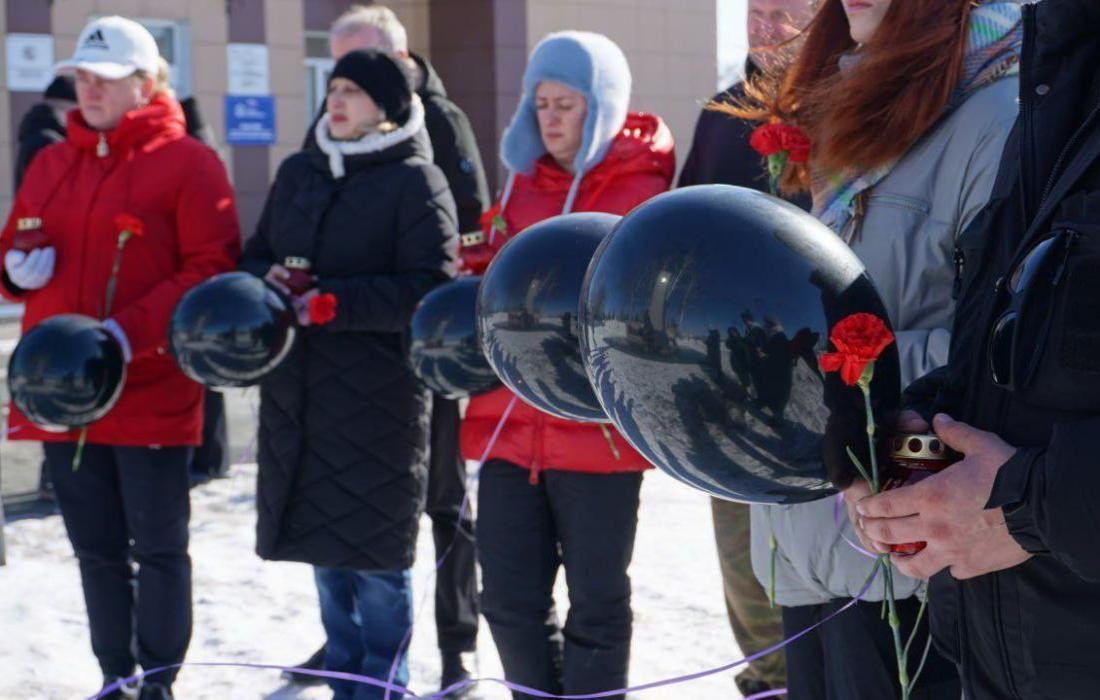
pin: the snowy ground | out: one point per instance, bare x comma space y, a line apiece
251, 611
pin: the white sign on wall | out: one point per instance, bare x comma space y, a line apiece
249, 73
30, 61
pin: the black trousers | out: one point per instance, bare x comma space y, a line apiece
456, 605
851, 657
126, 506
211, 458
584, 522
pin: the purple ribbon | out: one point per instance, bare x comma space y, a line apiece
840, 530
400, 690
407, 639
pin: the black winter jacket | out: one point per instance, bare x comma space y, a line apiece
343, 421
39, 128
720, 152
1033, 632
454, 147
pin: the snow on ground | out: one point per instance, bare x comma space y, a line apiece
250, 611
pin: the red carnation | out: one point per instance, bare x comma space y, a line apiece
773, 139
796, 143
127, 223
859, 340
780, 144
322, 309
767, 139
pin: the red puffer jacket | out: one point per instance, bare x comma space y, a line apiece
639, 165
147, 168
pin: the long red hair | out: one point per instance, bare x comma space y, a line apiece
879, 107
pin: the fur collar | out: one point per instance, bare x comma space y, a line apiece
375, 142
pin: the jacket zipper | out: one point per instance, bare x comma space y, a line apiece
1070, 146
960, 270
85, 235
102, 149
1027, 90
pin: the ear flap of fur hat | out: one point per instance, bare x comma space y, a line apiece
589, 63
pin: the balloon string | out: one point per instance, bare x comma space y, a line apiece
515, 687
402, 648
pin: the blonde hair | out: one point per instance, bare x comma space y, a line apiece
163, 78
380, 17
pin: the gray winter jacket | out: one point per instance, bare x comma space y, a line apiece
907, 241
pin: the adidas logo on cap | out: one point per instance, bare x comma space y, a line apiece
95, 40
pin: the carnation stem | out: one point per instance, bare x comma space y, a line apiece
865, 387
895, 628
79, 454
900, 651
773, 550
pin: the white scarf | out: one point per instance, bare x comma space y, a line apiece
371, 143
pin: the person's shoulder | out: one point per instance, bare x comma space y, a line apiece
991, 107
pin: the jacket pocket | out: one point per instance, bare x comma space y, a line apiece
899, 201
1055, 352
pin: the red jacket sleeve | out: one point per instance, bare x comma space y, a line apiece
208, 240
7, 289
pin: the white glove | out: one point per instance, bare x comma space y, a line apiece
112, 327
31, 270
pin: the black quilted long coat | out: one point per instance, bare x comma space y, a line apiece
343, 422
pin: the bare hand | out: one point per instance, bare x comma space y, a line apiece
947, 510
908, 422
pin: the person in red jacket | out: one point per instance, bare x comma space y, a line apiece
553, 492
126, 163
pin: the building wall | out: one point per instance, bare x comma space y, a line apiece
671, 48
479, 47
7, 151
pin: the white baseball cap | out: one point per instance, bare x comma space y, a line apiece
112, 48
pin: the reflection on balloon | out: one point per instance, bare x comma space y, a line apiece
527, 314
231, 330
702, 320
66, 372
445, 353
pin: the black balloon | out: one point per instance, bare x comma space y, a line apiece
231, 330
527, 314
66, 372
703, 318
445, 352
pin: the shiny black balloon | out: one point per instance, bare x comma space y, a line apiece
231, 330
703, 318
66, 372
527, 314
445, 353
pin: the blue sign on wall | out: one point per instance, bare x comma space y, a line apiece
249, 120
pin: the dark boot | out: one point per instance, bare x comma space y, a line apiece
128, 691
155, 691
456, 668
315, 663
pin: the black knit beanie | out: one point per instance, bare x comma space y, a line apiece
380, 77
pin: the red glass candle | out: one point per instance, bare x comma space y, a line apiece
914, 457
29, 235
300, 280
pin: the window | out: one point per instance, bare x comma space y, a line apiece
174, 43
319, 65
